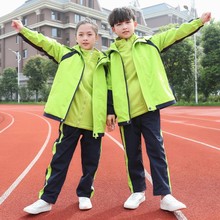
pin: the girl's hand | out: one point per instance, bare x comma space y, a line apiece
17, 25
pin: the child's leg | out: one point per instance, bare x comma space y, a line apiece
131, 138
63, 150
155, 149
90, 155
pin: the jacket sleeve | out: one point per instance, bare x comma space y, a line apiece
49, 46
174, 35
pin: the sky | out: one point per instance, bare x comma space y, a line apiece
200, 5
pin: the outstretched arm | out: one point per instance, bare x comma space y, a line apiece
17, 25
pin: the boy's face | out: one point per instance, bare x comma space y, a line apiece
125, 29
86, 37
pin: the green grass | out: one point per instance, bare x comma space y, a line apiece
197, 104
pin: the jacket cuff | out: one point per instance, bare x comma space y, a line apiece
110, 107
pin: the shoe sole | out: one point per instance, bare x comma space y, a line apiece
85, 208
35, 212
173, 210
134, 207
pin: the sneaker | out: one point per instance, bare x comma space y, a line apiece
84, 203
134, 200
38, 207
169, 203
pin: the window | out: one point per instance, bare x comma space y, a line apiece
25, 53
17, 39
91, 3
81, 2
79, 18
55, 15
104, 26
104, 41
139, 33
94, 21
67, 19
56, 32
138, 17
24, 21
67, 37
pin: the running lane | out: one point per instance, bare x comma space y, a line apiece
193, 148
193, 161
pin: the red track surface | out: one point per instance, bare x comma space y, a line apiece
193, 149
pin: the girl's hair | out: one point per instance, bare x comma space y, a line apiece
88, 21
119, 15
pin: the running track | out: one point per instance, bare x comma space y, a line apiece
192, 144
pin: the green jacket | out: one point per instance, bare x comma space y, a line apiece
150, 70
68, 77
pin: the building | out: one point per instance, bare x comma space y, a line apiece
56, 19
163, 14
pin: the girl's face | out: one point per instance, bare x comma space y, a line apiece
86, 36
125, 29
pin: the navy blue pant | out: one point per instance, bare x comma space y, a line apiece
63, 150
147, 125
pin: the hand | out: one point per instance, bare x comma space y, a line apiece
110, 122
206, 17
17, 25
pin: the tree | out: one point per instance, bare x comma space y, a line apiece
25, 94
178, 62
9, 85
34, 70
50, 68
210, 75
44, 92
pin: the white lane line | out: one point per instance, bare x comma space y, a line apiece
114, 140
12, 121
179, 215
194, 125
195, 141
198, 126
25, 172
148, 177
194, 117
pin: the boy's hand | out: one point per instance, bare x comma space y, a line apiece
17, 25
206, 17
110, 122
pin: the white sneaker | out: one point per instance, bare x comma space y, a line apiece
84, 203
169, 203
134, 200
38, 207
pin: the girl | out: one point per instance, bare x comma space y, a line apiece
78, 99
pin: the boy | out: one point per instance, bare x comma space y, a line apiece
140, 89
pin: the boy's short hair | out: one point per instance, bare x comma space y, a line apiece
119, 15
87, 20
